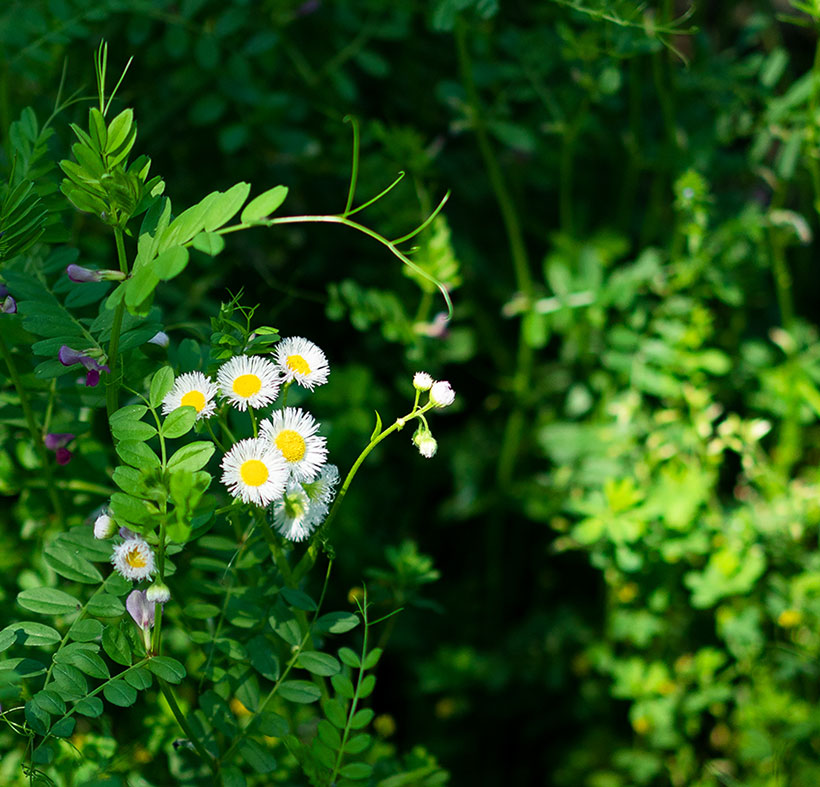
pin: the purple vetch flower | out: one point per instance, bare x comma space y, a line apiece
57, 442
7, 304
126, 533
69, 357
142, 611
80, 274
160, 339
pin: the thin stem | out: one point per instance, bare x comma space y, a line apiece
309, 558
168, 693
811, 127
111, 394
354, 168
34, 429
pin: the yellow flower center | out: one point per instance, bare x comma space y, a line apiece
195, 399
254, 472
135, 558
291, 444
246, 385
297, 364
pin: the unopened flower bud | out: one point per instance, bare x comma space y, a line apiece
158, 593
423, 440
80, 274
160, 339
8, 305
442, 394
422, 381
104, 526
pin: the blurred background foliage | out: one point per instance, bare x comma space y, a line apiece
609, 571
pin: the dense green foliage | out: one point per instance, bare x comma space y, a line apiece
607, 574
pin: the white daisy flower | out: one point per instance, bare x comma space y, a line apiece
248, 381
296, 516
192, 389
301, 361
293, 433
323, 488
441, 394
134, 559
254, 471
422, 381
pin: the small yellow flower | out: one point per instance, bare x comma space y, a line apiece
627, 592
385, 725
238, 708
789, 618
641, 725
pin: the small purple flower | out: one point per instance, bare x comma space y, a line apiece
126, 533
7, 304
69, 357
80, 274
140, 609
57, 442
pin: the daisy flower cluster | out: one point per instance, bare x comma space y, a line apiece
285, 465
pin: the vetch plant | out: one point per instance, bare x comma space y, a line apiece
207, 486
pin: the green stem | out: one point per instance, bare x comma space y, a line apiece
168, 693
309, 558
34, 430
112, 391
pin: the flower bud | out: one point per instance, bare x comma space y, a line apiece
160, 339
423, 440
8, 305
158, 593
442, 394
80, 274
422, 381
104, 526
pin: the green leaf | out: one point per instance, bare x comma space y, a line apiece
301, 691
167, 669
85, 630
171, 263
139, 678
161, 384
329, 735
115, 644
318, 663
366, 686
69, 682
50, 702
137, 455
256, 756
343, 686
127, 509
209, 242
131, 412
139, 288
361, 718
225, 206
356, 770
199, 610
33, 634
133, 430
179, 421
337, 622
377, 428
263, 658
357, 744
48, 601
118, 692
373, 658
66, 560
262, 206
119, 129
85, 661
272, 724
193, 456
298, 599
64, 727
37, 718
335, 712
89, 706
104, 605
350, 657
